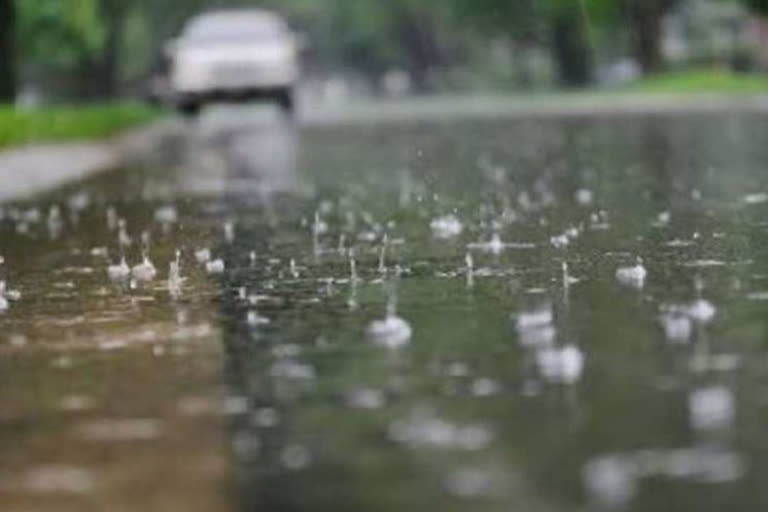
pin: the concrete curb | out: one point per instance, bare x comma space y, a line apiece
37, 168
533, 106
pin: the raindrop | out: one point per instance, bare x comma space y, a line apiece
319, 227
166, 215
702, 311
123, 240
383, 255
448, 226
610, 480
757, 198
496, 246
470, 269
585, 197
144, 271
112, 221
254, 319
229, 231
235, 406
677, 326
633, 276
55, 223
175, 281
561, 365
484, 387
365, 398
3, 301
391, 332
534, 319
215, 267
352, 266
560, 241
663, 219
295, 457
711, 408
119, 272
203, 255
469, 483
246, 444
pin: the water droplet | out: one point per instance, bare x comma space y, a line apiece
295, 457
711, 408
448, 226
633, 276
215, 267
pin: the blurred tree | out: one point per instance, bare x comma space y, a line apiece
645, 20
7, 50
112, 15
62, 43
570, 42
415, 25
758, 6
565, 26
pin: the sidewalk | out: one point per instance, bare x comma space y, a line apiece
37, 168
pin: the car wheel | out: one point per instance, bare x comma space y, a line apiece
189, 109
286, 101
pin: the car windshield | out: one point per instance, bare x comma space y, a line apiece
229, 29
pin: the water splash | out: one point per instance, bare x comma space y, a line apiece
634, 276
203, 255
119, 272
677, 326
561, 365
383, 254
711, 408
445, 227
4, 305
144, 271
496, 246
215, 267
392, 331
470, 269
229, 231
175, 280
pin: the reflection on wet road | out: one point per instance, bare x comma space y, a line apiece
458, 315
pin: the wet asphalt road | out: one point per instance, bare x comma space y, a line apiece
456, 314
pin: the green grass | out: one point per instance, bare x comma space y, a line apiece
64, 123
702, 81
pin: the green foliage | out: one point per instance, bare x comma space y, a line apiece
67, 43
68, 122
759, 6
57, 34
702, 80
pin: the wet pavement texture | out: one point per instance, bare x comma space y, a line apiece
522, 314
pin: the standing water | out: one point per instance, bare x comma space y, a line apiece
525, 360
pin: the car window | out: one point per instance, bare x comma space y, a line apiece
232, 30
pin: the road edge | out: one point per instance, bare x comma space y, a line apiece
36, 168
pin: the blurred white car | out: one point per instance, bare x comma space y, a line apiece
234, 55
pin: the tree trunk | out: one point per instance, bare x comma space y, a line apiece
417, 37
646, 31
571, 50
7, 51
108, 66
